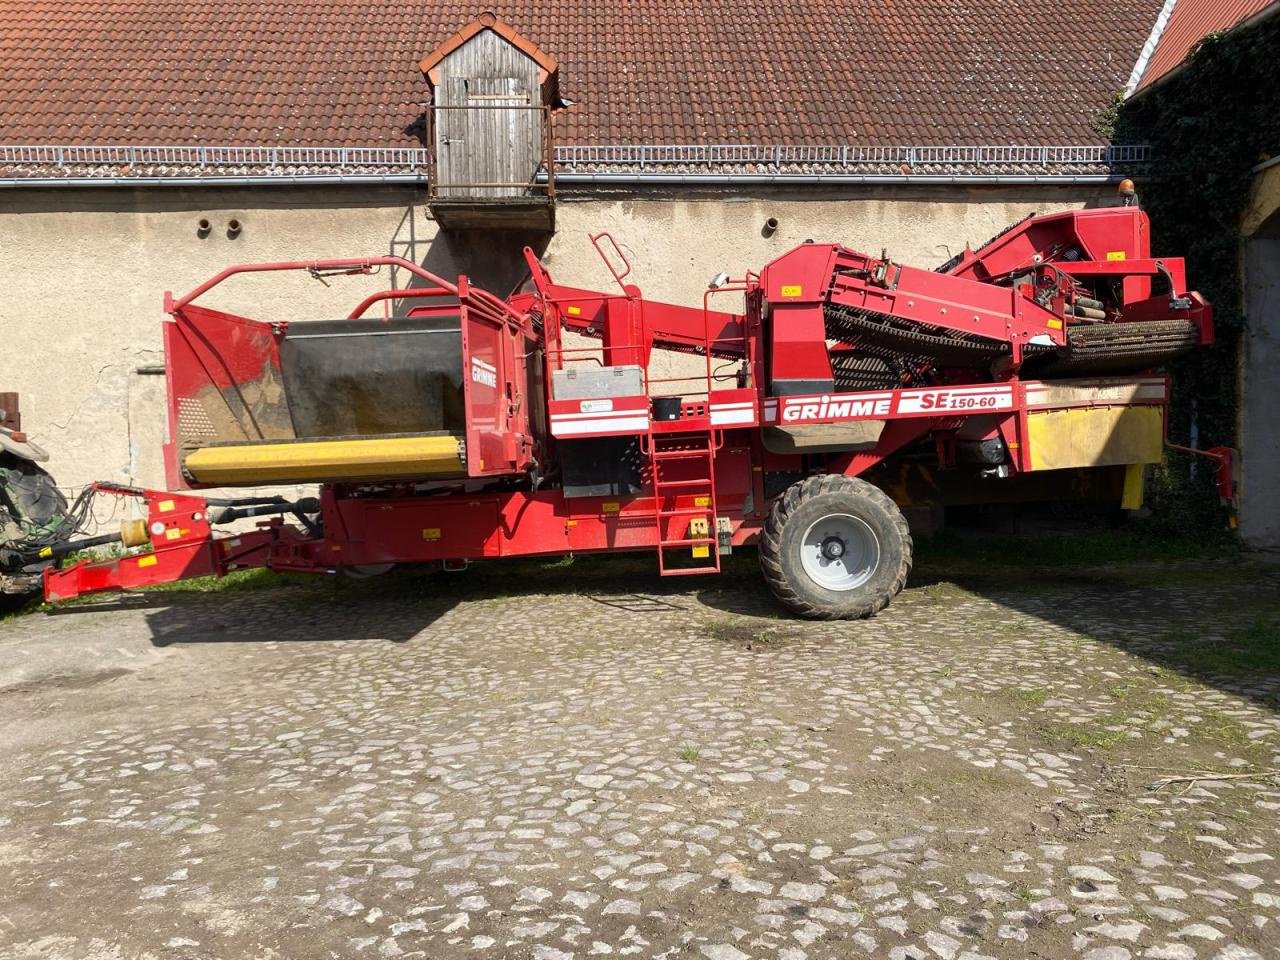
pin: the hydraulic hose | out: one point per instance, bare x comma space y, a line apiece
59, 550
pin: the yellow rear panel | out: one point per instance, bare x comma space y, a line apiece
1095, 436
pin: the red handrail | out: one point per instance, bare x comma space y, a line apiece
619, 277
348, 265
407, 294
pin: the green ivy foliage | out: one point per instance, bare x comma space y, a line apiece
1209, 125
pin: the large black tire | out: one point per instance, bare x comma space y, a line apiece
845, 503
13, 602
29, 500
28, 493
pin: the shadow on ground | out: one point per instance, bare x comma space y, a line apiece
1214, 622
274, 613
1212, 614
262, 607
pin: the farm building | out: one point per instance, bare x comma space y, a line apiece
144, 146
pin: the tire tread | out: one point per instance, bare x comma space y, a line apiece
770, 547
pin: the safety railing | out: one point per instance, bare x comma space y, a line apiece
696, 369
399, 159
418, 161
659, 155
701, 383
475, 297
717, 353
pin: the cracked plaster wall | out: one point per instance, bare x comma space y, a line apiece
83, 272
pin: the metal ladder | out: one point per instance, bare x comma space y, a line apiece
698, 447
690, 439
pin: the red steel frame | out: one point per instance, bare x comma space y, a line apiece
450, 521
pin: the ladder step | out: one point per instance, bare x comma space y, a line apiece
680, 454
698, 446
673, 484
687, 571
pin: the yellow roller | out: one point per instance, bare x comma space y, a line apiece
309, 461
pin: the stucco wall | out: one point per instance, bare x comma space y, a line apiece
82, 273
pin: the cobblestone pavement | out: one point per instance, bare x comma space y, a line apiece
382, 770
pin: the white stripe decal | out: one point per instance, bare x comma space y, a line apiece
581, 427
603, 415
721, 417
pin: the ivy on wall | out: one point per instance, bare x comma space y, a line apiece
1209, 125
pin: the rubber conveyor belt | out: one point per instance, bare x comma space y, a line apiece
1111, 348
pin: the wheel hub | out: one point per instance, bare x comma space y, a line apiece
840, 552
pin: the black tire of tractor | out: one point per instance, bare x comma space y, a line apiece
28, 495
808, 501
13, 602
31, 493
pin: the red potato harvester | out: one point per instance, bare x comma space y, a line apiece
467, 427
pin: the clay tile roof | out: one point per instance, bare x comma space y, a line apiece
1189, 23
321, 73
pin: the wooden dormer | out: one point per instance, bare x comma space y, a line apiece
492, 92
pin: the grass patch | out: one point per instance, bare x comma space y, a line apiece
689, 753
236, 581
1253, 648
1095, 736
1223, 729
1157, 703
950, 552
1129, 812
1216, 573
993, 781
943, 590
1033, 696
1024, 696
1140, 697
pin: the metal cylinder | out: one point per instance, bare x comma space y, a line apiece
133, 533
1088, 313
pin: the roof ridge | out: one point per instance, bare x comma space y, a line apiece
429, 65
1148, 48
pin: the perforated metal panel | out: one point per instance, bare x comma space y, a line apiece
194, 425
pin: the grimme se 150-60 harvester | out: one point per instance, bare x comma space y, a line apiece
459, 426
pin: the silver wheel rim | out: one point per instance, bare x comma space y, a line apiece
840, 552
